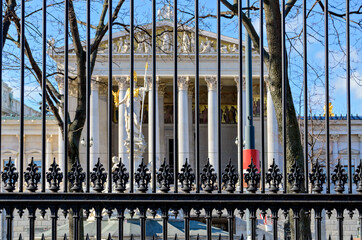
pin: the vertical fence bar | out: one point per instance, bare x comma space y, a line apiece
261, 43
186, 223
31, 223
208, 216
348, 78
131, 95
340, 223
219, 116
252, 219
65, 114
327, 93
318, 223
44, 92
54, 217
143, 223
305, 91
76, 217
9, 223
197, 98
88, 89
296, 223
230, 218
175, 97
98, 216
22, 82
120, 212
240, 98
164, 223
110, 99
275, 223
154, 26
284, 94
1, 73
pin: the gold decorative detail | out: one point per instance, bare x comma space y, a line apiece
115, 105
331, 114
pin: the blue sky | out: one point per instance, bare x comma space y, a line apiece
229, 28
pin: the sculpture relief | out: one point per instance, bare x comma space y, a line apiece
166, 42
207, 46
186, 43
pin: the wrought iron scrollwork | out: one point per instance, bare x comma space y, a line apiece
230, 177
274, 177
142, 177
252, 177
295, 178
186, 177
54, 176
10, 176
32, 176
76, 176
98, 177
357, 177
317, 177
339, 177
120, 177
164, 177
208, 177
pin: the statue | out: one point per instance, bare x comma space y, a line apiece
114, 47
224, 49
206, 47
186, 43
126, 46
233, 48
165, 13
330, 106
141, 43
120, 46
138, 98
166, 42
193, 44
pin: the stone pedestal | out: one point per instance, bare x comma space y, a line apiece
94, 123
272, 133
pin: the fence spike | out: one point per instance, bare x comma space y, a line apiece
109, 236
220, 236
329, 238
198, 237
351, 237
175, 236
153, 236
87, 237
42, 237
263, 236
65, 236
131, 236
242, 237
20, 237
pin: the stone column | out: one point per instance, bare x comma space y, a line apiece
152, 108
240, 123
49, 152
334, 139
183, 120
161, 111
123, 84
60, 135
94, 123
191, 95
360, 150
212, 116
272, 132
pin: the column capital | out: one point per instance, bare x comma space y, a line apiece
183, 83
161, 89
211, 83
236, 79
334, 137
123, 82
95, 83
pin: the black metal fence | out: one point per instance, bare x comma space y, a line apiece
201, 189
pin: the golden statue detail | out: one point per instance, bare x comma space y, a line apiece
330, 106
115, 104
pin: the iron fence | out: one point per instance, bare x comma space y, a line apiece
201, 189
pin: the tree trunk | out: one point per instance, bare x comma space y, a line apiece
294, 150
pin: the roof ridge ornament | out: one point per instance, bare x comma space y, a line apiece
165, 13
